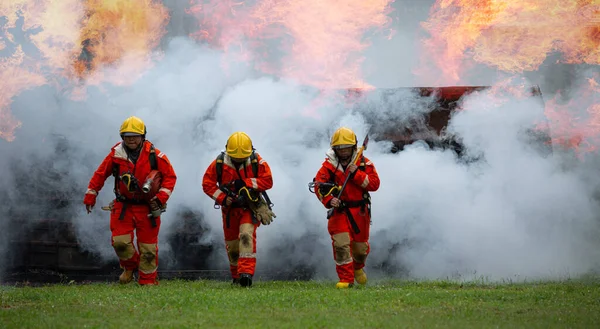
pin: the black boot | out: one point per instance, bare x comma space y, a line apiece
245, 280
235, 282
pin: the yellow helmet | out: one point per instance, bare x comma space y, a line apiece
133, 126
239, 145
343, 137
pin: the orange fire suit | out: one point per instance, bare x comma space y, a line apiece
130, 210
239, 227
349, 225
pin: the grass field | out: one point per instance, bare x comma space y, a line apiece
382, 304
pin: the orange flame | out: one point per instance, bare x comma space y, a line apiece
18, 80
320, 42
52, 26
119, 31
513, 36
73, 39
579, 132
13, 77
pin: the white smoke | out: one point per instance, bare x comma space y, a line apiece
505, 210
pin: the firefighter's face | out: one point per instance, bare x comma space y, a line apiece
345, 152
132, 142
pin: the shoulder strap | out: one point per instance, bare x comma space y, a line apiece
152, 158
331, 176
254, 162
220, 158
362, 165
115, 173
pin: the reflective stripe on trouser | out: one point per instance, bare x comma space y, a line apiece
240, 242
146, 260
350, 250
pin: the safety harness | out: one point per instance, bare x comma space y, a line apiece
121, 198
345, 206
242, 191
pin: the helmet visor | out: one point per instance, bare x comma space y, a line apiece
130, 134
343, 146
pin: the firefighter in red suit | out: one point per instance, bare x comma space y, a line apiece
239, 225
131, 162
351, 218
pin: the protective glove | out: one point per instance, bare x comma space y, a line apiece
238, 184
264, 214
227, 201
90, 201
155, 204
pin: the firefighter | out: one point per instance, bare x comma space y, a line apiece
234, 177
350, 213
131, 162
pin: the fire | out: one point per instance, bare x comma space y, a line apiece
13, 77
52, 26
512, 36
515, 37
316, 42
74, 38
579, 131
19, 80
119, 31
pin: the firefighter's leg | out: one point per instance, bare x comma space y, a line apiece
122, 240
147, 240
360, 245
247, 237
340, 240
232, 243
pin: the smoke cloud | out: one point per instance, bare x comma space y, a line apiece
508, 208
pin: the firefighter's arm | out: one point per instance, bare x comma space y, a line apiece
368, 179
100, 175
209, 184
169, 178
323, 176
97, 181
264, 181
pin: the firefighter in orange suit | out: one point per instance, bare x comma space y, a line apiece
351, 214
131, 162
224, 186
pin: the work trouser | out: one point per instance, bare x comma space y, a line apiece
124, 219
239, 229
350, 248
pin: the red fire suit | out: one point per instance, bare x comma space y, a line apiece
238, 225
350, 242
130, 210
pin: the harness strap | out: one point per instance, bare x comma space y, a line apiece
115, 172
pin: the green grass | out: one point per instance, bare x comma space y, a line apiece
382, 304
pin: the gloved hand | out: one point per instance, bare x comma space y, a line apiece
238, 184
227, 201
90, 201
335, 202
352, 168
155, 204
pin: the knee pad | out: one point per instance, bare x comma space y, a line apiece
148, 262
233, 251
246, 239
123, 246
341, 247
360, 250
